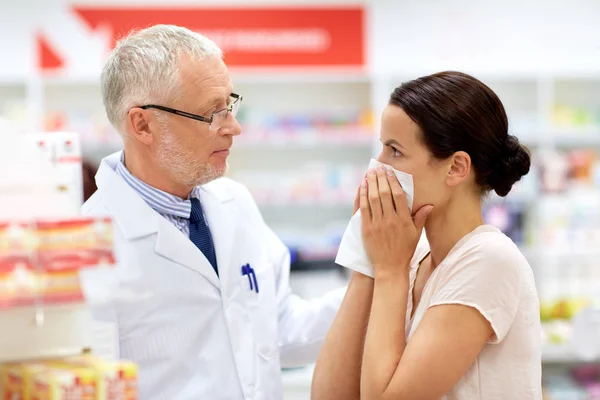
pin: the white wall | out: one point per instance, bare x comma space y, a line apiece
405, 36
525, 37
219, 3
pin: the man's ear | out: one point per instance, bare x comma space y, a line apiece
460, 168
138, 125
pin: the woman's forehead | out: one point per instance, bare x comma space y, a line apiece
397, 125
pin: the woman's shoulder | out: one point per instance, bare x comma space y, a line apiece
492, 244
485, 247
489, 251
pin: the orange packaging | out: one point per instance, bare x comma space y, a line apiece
16, 238
61, 287
117, 379
17, 243
65, 383
19, 284
19, 281
16, 380
40, 260
75, 243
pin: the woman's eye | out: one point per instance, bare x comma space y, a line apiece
395, 152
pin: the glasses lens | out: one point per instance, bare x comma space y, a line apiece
220, 116
218, 119
235, 107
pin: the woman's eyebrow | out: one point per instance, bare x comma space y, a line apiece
393, 141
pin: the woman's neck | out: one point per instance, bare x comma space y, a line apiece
445, 227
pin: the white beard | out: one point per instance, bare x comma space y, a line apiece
181, 163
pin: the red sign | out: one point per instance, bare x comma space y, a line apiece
255, 37
48, 59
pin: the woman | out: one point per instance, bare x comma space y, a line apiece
454, 315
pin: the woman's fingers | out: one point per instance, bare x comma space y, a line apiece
373, 193
398, 195
365, 208
385, 193
357, 198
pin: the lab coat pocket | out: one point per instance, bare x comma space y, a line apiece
262, 305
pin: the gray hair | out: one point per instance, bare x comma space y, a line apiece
144, 68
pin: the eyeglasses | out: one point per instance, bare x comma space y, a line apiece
216, 119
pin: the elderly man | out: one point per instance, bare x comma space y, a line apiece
215, 317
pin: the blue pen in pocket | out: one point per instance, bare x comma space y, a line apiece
249, 271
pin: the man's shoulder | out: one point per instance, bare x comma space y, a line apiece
94, 205
236, 194
226, 188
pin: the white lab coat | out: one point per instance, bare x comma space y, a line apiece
195, 335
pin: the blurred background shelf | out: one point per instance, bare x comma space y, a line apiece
309, 131
564, 354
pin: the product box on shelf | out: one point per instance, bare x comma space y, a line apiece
78, 377
65, 383
54, 265
74, 243
16, 380
40, 260
117, 380
44, 296
19, 281
63, 151
16, 242
44, 331
45, 178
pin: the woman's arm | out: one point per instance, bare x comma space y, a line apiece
385, 341
448, 338
337, 373
446, 343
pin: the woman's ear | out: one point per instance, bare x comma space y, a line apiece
460, 168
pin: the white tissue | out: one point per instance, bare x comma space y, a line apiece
351, 253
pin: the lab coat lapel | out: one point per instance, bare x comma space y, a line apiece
137, 220
129, 211
174, 245
222, 223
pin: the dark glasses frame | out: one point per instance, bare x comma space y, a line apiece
209, 120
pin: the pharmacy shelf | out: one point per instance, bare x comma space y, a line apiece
300, 75
297, 378
309, 138
240, 76
300, 378
47, 331
563, 354
589, 137
299, 142
325, 254
561, 138
299, 203
297, 381
95, 151
294, 141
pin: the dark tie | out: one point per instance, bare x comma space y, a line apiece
200, 234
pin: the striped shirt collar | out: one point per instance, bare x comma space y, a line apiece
162, 202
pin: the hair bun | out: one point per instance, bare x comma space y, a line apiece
514, 163
512, 147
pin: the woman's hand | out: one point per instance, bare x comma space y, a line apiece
390, 233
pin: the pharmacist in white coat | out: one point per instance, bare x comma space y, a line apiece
215, 317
